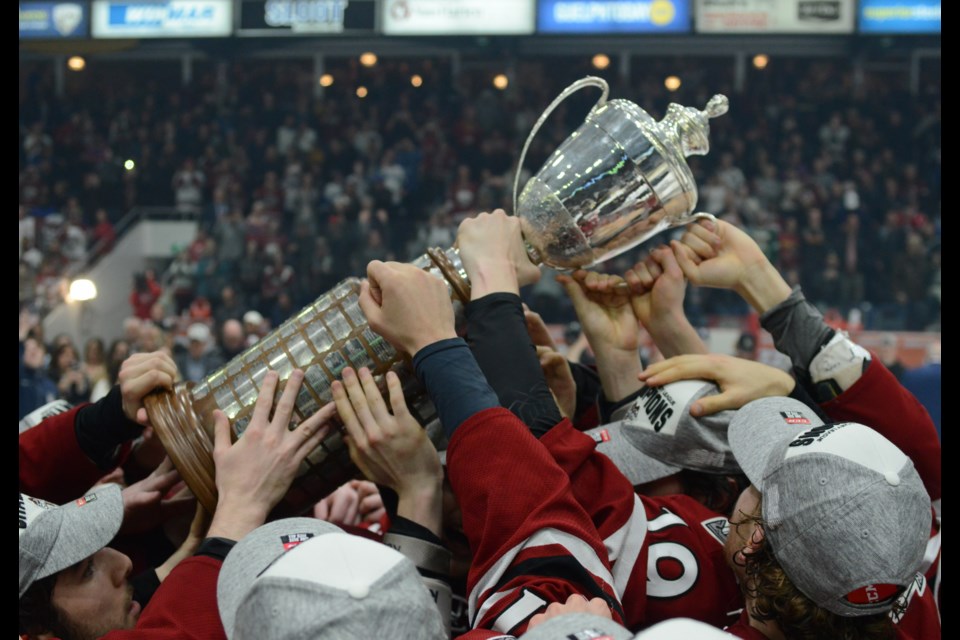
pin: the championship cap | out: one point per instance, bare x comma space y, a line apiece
586, 626
306, 578
844, 510
658, 437
53, 537
198, 332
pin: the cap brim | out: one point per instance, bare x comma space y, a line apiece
87, 525
765, 425
577, 625
638, 467
252, 555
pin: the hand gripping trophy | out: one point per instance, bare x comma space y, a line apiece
616, 181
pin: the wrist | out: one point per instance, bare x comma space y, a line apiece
493, 276
763, 287
618, 372
674, 336
234, 520
422, 503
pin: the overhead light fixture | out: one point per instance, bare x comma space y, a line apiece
326, 80
500, 81
368, 59
761, 60
416, 80
601, 61
672, 83
82, 290
361, 92
76, 63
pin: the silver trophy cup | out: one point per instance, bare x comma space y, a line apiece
618, 180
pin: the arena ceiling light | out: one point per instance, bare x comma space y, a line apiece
500, 81
672, 83
76, 63
600, 61
416, 80
761, 60
361, 92
368, 59
81, 290
326, 80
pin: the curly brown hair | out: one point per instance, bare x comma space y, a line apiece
776, 599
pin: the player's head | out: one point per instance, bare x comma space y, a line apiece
834, 526
663, 449
72, 586
306, 578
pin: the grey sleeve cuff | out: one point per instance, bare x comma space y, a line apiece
798, 329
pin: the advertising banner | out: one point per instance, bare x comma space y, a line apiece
54, 20
899, 16
162, 18
774, 16
306, 17
613, 16
457, 17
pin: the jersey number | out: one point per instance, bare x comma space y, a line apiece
662, 554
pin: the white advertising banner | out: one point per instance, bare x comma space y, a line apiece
775, 16
161, 18
457, 17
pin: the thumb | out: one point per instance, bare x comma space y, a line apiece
710, 405
686, 263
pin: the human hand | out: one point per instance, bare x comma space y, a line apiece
198, 531
658, 287
556, 370
740, 380
145, 505
603, 308
537, 328
715, 253
493, 254
575, 603
390, 446
354, 503
406, 305
254, 473
141, 374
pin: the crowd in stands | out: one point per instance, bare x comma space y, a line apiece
835, 173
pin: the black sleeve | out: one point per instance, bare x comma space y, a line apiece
215, 547
102, 427
144, 586
498, 337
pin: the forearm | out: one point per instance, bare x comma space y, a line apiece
498, 337
454, 381
763, 287
798, 329
675, 336
618, 371
102, 427
423, 505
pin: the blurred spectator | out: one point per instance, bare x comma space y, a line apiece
36, 387
233, 339
67, 372
146, 291
889, 352
94, 361
188, 184
103, 235
201, 357
118, 352
254, 326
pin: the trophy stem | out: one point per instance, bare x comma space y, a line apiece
190, 448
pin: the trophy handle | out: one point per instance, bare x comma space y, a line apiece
588, 81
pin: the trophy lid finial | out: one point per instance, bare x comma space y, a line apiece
717, 106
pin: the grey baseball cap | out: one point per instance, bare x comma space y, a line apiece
53, 537
845, 511
658, 437
306, 578
586, 626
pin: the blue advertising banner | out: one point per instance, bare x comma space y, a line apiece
899, 16
54, 20
613, 16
